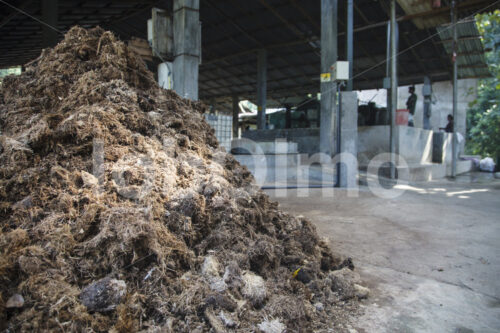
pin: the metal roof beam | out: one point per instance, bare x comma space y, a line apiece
480, 65
269, 81
459, 39
288, 91
253, 73
214, 43
253, 50
402, 80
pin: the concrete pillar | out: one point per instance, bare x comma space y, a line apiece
49, 16
187, 47
329, 54
349, 139
236, 112
261, 88
350, 42
288, 116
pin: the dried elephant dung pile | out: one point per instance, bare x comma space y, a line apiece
119, 212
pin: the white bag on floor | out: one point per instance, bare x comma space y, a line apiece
487, 164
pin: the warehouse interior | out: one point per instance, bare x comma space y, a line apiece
269, 53
252, 102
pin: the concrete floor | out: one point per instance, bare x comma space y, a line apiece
431, 257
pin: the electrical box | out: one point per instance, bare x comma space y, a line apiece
340, 71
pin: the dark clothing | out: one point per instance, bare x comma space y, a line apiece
411, 103
449, 127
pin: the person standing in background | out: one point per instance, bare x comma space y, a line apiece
411, 103
449, 126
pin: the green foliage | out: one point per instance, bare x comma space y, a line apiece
483, 116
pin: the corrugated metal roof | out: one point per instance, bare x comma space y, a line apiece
470, 51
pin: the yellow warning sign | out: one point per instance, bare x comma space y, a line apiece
326, 77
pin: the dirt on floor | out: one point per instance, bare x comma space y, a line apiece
118, 212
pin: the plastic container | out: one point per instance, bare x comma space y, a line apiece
402, 117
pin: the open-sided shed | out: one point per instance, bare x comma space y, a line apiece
234, 31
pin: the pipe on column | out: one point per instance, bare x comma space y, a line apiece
350, 43
455, 79
394, 88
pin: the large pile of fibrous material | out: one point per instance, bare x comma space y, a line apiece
119, 212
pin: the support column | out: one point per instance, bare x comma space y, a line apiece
350, 42
187, 37
349, 139
329, 53
236, 112
394, 89
455, 91
288, 116
49, 16
261, 88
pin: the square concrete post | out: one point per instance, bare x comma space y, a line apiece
261, 88
49, 16
236, 112
348, 139
187, 47
329, 54
288, 115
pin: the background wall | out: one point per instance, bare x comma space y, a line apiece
442, 101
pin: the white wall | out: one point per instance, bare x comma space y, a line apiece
442, 98
413, 144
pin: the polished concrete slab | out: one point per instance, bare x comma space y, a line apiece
430, 256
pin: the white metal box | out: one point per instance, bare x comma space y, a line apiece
340, 71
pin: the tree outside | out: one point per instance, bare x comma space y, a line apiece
483, 116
